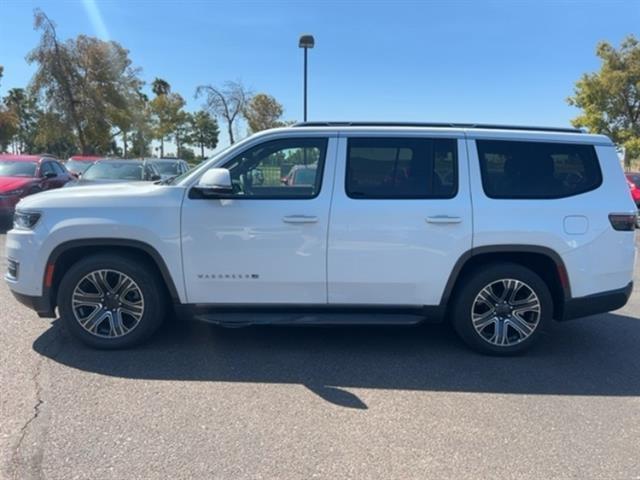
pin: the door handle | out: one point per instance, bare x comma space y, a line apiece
442, 219
300, 219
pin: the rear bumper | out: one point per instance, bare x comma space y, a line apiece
597, 303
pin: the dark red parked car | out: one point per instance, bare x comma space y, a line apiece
22, 175
633, 180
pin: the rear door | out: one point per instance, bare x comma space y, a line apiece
400, 218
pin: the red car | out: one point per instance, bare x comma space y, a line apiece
79, 163
22, 175
633, 180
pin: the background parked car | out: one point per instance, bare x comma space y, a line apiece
118, 171
300, 175
169, 167
79, 163
22, 175
633, 180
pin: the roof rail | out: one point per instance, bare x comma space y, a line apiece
487, 126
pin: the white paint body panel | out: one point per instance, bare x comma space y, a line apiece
243, 250
598, 260
385, 252
144, 212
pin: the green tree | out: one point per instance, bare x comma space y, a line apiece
53, 135
227, 102
263, 112
166, 112
205, 131
8, 123
87, 81
25, 111
610, 98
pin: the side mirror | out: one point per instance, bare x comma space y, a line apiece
155, 178
215, 182
50, 175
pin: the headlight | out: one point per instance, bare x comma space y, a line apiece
25, 220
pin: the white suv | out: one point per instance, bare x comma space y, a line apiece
496, 229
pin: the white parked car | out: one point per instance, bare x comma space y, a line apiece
499, 230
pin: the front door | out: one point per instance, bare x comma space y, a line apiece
267, 243
400, 219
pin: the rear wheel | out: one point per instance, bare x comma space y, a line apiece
111, 301
502, 309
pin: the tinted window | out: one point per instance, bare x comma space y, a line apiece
262, 171
78, 166
17, 169
58, 168
46, 168
401, 168
114, 171
537, 170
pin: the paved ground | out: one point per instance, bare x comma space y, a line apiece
203, 402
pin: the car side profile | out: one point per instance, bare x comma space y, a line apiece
499, 230
22, 175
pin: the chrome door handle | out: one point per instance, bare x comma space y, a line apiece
300, 219
441, 219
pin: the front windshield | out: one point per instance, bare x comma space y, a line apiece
76, 166
167, 168
114, 171
17, 169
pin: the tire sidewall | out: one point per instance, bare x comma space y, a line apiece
140, 273
462, 318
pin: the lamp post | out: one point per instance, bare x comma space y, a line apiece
306, 42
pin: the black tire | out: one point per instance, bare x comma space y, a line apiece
147, 283
470, 289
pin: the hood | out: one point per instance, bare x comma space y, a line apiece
101, 196
102, 181
12, 183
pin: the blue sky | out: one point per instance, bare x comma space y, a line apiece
481, 61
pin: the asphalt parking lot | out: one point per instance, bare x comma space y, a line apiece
204, 402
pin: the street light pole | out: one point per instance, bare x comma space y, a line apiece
306, 42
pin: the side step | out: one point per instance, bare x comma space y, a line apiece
232, 319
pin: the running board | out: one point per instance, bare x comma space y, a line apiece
229, 319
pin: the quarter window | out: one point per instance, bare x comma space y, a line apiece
513, 169
390, 168
287, 168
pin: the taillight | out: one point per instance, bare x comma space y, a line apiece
623, 222
631, 185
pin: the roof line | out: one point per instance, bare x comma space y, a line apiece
486, 126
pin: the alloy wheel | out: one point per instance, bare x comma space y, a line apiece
506, 312
107, 303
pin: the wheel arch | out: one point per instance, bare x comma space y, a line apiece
66, 254
544, 261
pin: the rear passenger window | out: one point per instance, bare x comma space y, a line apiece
537, 170
391, 168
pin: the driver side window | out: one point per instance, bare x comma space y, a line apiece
287, 168
46, 168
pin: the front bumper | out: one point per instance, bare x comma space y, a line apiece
42, 304
597, 303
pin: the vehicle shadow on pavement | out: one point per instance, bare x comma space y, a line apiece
593, 356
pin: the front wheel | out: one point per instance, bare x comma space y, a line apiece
502, 309
111, 301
